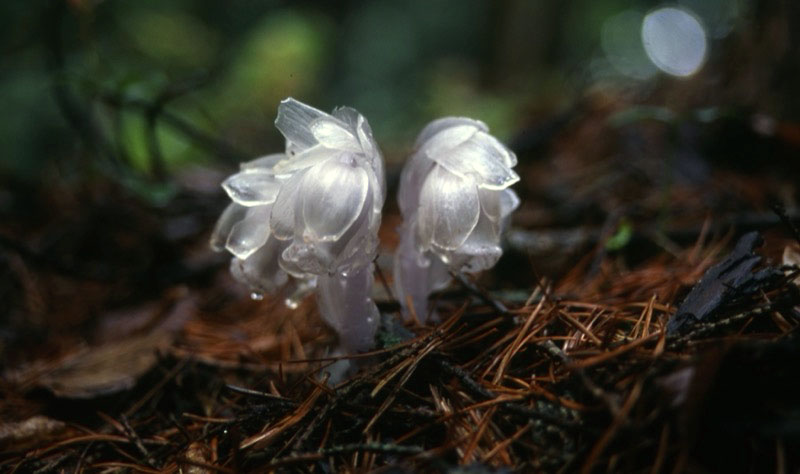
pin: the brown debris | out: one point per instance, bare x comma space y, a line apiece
170, 367
106, 369
34, 430
553, 383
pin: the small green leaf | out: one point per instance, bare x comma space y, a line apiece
621, 237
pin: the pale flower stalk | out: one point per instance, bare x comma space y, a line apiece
312, 213
455, 201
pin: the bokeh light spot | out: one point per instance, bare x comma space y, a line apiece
674, 40
622, 45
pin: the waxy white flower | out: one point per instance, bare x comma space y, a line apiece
455, 203
311, 212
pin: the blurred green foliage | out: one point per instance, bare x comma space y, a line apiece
223, 67
91, 80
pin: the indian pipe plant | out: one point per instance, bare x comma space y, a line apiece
311, 214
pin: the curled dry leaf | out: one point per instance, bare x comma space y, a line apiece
107, 368
29, 432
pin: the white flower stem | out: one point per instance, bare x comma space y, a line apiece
345, 303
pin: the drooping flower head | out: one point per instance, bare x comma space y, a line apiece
311, 212
455, 202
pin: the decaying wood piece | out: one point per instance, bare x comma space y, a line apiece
731, 278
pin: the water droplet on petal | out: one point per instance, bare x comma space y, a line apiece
291, 303
257, 296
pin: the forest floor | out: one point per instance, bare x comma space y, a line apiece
643, 319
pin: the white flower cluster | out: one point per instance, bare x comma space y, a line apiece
455, 202
312, 212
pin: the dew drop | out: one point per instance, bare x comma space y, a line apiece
301, 290
291, 303
257, 296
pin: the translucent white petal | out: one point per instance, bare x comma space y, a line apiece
448, 211
368, 144
376, 176
511, 160
230, 217
438, 125
447, 139
481, 250
282, 219
264, 162
333, 195
475, 262
308, 158
357, 246
499, 149
294, 150
292, 268
250, 233
348, 115
255, 187
294, 121
509, 201
261, 270
481, 160
356, 122
498, 204
373, 155
334, 134
302, 258
490, 203
413, 175
359, 251
377, 187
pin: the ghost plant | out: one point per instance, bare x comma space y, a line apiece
311, 213
455, 200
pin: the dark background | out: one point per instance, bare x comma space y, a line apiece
120, 119
100, 84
